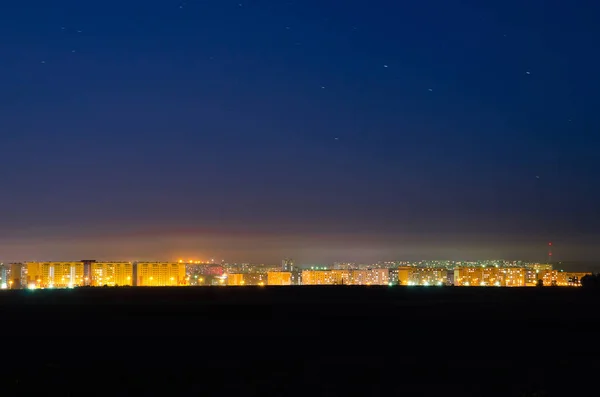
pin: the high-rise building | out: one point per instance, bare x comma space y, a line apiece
279, 278
111, 274
318, 277
3, 276
287, 265
87, 271
16, 276
54, 274
393, 276
160, 274
408, 275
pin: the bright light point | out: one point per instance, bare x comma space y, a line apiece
3, 286
51, 286
482, 284
467, 284
497, 283
71, 285
31, 286
390, 284
426, 283
440, 283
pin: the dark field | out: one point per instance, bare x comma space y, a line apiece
301, 341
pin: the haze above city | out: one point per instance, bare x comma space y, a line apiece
258, 130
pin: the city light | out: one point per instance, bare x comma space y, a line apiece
48, 275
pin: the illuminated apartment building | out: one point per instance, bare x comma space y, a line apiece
321, 277
513, 277
160, 274
570, 279
235, 279
287, 265
378, 276
405, 274
3, 276
393, 276
341, 277
16, 280
531, 277
490, 276
359, 277
54, 274
548, 277
279, 278
422, 275
560, 279
111, 274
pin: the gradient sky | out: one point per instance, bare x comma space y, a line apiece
318, 129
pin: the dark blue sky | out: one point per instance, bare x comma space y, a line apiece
321, 129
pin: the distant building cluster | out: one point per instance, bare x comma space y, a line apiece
91, 273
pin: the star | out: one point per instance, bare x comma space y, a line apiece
527, 72
430, 90
337, 139
43, 61
385, 66
322, 87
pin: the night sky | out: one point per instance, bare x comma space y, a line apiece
318, 129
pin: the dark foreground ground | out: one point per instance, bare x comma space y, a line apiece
301, 341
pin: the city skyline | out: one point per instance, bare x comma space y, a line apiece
262, 129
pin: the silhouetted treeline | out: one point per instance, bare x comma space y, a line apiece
591, 281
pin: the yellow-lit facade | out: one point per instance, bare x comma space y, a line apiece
161, 274
54, 274
570, 279
490, 276
345, 277
422, 275
561, 279
279, 278
321, 277
513, 277
378, 277
235, 279
111, 274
